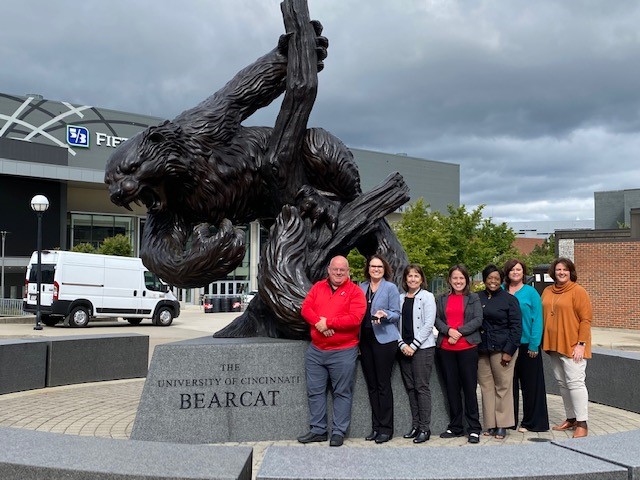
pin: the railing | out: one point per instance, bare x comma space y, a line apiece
10, 307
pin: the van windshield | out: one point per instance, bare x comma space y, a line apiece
48, 272
153, 283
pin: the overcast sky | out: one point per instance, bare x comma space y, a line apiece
538, 101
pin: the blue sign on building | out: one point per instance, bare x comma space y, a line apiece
78, 136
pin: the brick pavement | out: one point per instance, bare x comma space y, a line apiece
108, 409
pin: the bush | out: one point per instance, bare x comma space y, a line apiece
83, 248
119, 245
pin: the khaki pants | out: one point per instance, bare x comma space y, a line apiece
496, 386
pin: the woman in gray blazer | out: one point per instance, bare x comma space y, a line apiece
378, 344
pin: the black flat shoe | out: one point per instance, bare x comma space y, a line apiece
413, 433
382, 438
312, 437
422, 437
336, 440
501, 433
372, 436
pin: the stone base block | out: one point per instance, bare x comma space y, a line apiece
31, 455
542, 461
23, 365
612, 376
619, 448
94, 358
210, 390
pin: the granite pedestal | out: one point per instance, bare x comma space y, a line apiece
95, 358
23, 365
210, 390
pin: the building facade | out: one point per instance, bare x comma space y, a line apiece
60, 150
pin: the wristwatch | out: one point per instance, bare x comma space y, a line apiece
582, 344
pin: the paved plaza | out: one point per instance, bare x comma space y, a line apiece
108, 409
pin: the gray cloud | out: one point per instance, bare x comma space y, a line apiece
537, 101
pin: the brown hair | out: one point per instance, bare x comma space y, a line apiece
463, 270
387, 268
567, 263
508, 266
407, 270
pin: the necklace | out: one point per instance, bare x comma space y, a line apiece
370, 295
554, 300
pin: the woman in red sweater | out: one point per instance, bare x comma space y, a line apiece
458, 320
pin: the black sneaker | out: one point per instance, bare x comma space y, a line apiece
474, 438
450, 434
312, 437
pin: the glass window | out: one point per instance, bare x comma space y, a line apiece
48, 273
93, 229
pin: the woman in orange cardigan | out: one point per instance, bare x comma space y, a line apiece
566, 309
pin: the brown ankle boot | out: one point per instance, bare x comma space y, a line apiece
581, 430
568, 424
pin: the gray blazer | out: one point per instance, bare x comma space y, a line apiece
472, 321
387, 298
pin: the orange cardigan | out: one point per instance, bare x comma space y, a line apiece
567, 314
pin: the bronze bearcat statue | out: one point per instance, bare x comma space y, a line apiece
203, 172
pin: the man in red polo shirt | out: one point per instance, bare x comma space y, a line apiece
334, 309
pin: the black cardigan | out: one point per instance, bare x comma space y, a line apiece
502, 322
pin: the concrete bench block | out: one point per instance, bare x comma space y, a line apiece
209, 390
31, 455
541, 461
94, 358
619, 448
23, 365
611, 378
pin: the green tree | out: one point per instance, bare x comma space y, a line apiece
356, 265
119, 245
436, 241
477, 241
542, 254
425, 238
83, 248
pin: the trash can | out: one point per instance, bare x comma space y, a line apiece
236, 303
541, 278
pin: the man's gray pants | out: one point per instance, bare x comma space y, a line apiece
338, 366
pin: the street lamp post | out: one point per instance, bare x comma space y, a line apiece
39, 204
4, 235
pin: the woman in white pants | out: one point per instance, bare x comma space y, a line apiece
566, 308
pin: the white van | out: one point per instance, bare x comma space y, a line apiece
79, 286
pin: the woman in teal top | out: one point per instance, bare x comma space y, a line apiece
529, 373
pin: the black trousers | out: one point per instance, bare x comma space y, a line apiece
377, 363
416, 376
529, 376
460, 374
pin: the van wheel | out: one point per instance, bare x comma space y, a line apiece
49, 321
79, 317
163, 317
134, 321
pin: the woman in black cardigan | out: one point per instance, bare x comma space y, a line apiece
501, 332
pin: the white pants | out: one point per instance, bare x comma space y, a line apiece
571, 381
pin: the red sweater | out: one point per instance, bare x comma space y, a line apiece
343, 309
